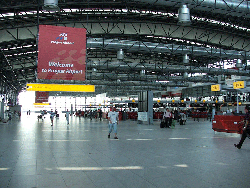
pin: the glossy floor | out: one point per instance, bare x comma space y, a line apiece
34, 154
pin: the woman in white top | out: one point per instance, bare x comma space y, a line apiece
168, 118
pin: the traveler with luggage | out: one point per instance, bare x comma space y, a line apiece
168, 118
183, 118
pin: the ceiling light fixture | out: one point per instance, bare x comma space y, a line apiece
184, 15
185, 59
239, 63
120, 54
51, 5
185, 75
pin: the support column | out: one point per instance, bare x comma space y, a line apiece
145, 107
2, 110
150, 107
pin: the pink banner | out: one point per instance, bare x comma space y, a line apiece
61, 53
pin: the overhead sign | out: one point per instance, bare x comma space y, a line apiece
239, 85
61, 53
215, 87
60, 87
41, 104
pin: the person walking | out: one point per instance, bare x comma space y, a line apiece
246, 129
90, 114
100, 114
52, 114
67, 116
19, 115
113, 122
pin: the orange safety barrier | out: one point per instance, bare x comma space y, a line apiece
229, 124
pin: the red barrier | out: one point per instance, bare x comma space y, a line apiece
157, 115
229, 124
132, 115
199, 114
120, 116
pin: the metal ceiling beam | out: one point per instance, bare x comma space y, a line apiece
131, 79
149, 47
108, 83
149, 29
22, 26
122, 66
232, 7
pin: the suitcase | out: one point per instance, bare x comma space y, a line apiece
162, 124
181, 122
173, 123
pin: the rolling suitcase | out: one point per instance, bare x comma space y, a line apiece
181, 122
162, 124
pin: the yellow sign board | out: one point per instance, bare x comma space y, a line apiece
60, 87
239, 85
215, 87
41, 104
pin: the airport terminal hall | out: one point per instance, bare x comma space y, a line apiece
124, 94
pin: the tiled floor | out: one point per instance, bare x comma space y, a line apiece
34, 154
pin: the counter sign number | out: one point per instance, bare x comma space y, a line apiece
239, 85
215, 87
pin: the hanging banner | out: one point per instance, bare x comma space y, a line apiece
61, 53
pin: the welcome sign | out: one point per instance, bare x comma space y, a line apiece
61, 53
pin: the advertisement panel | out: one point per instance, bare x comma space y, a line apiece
61, 53
42, 97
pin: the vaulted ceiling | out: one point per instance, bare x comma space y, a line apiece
154, 43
